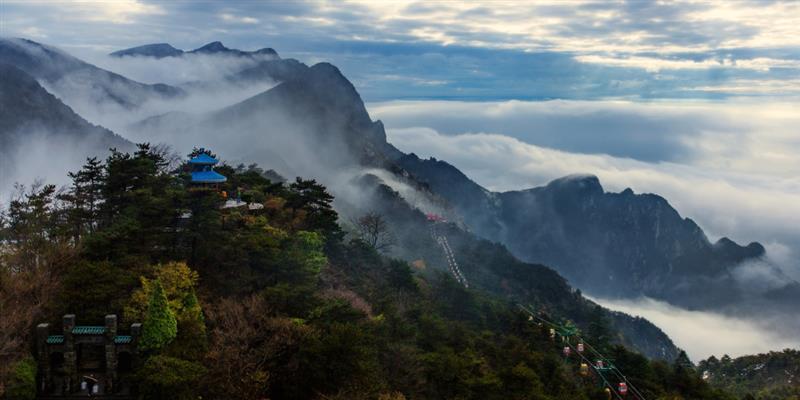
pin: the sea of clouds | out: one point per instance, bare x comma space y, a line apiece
732, 167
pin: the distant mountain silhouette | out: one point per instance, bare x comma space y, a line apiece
162, 50
156, 50
70, 77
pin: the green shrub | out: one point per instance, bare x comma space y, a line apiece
164, 377
22, 382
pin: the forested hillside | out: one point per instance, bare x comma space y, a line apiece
770, 376
279, 301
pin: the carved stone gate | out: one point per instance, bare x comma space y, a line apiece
86, 359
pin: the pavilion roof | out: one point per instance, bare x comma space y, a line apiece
203, 159
207, 177
88, 330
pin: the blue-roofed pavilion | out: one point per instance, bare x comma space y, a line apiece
203, 170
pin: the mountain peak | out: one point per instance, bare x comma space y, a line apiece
586, 183
266, 51
728, 246
213, 47
157, 50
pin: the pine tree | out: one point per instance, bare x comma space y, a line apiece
84, 197
312, 198
160, 326
599, 332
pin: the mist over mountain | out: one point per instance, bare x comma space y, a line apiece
413, 200
314, 124
73, 79
35, 125
311, 121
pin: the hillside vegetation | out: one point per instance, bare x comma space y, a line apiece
769, 376
278, 302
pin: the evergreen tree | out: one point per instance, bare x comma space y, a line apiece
160, 326
599, 332
84, 197
33, 230
310, 197
192, 340
141, 207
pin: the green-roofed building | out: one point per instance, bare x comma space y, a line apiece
86, 360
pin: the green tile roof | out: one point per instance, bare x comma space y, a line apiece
123, 339
55, 339
88, 330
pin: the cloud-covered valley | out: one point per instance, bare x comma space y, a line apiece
730, 167
703, 334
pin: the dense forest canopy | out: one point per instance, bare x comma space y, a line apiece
277, 302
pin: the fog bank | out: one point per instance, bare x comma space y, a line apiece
703, 334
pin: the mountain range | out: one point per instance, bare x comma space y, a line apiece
314, 123
608, 244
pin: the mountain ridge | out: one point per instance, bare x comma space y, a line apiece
599, 240
164, 50
67, 75
30, 114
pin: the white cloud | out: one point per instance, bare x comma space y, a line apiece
34, 32
227, 17
610, 27
173, 70
116, 11
770, 87
656, 64
703, 334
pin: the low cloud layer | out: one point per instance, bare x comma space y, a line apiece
703, 334
40, 156
174, 70
201, 76
735, 172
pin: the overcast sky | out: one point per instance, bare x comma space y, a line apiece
465, 50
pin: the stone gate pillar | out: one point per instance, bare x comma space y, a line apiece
111, 352
70, 355
136, 333
45, 374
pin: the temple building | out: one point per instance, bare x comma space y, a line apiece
85, 360
202, 170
